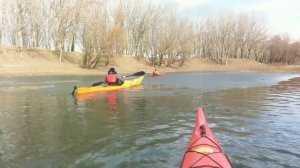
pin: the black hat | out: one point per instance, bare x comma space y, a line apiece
112, 70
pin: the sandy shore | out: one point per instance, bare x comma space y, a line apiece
40, 62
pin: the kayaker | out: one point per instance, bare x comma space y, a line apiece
112, 77
155, 72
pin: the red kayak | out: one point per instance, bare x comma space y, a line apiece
152, 75
204, 150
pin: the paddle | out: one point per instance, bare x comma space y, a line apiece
74, 89
97, 83
140, 73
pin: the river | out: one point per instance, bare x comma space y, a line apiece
254, 116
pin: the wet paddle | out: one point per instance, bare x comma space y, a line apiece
140, 73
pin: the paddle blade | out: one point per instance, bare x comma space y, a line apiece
140, 73
74, 89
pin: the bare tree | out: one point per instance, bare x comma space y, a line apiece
140, 17
206, 38
63, 24
278, 49
35, 22
175, 41
105, 28
242, 33
2, 22
168, 38
224, 36
19, 24
76, 16
151, 43
96, 35
293, 52
118, 30
48, 13
259, 52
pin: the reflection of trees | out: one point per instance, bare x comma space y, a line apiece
158, 106
173, 102
38, 127
244, 99
286, 94
26, 123
226, 105
291, 85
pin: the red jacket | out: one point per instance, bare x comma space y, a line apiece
111, 79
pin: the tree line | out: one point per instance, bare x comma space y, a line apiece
102, 29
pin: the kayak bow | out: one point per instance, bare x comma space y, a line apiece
203, 149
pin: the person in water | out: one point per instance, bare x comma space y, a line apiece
112, 77
155, 72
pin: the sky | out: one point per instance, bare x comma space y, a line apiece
281, 16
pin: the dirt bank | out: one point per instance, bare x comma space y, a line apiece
36, 62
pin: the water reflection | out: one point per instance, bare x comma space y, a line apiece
111, 99
260, 122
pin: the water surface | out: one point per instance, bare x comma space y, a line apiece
254, 116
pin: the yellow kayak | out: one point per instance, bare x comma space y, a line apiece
126, 84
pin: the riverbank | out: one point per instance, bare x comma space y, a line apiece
41, 62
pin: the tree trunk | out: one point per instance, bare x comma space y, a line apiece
60, 52
73, 44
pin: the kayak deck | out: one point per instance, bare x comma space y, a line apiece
203, 149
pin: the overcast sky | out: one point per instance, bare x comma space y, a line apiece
281, 16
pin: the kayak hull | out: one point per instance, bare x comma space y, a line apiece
126, 84
203, 149
97, 95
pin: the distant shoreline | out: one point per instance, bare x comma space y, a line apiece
41, 62
100, 72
